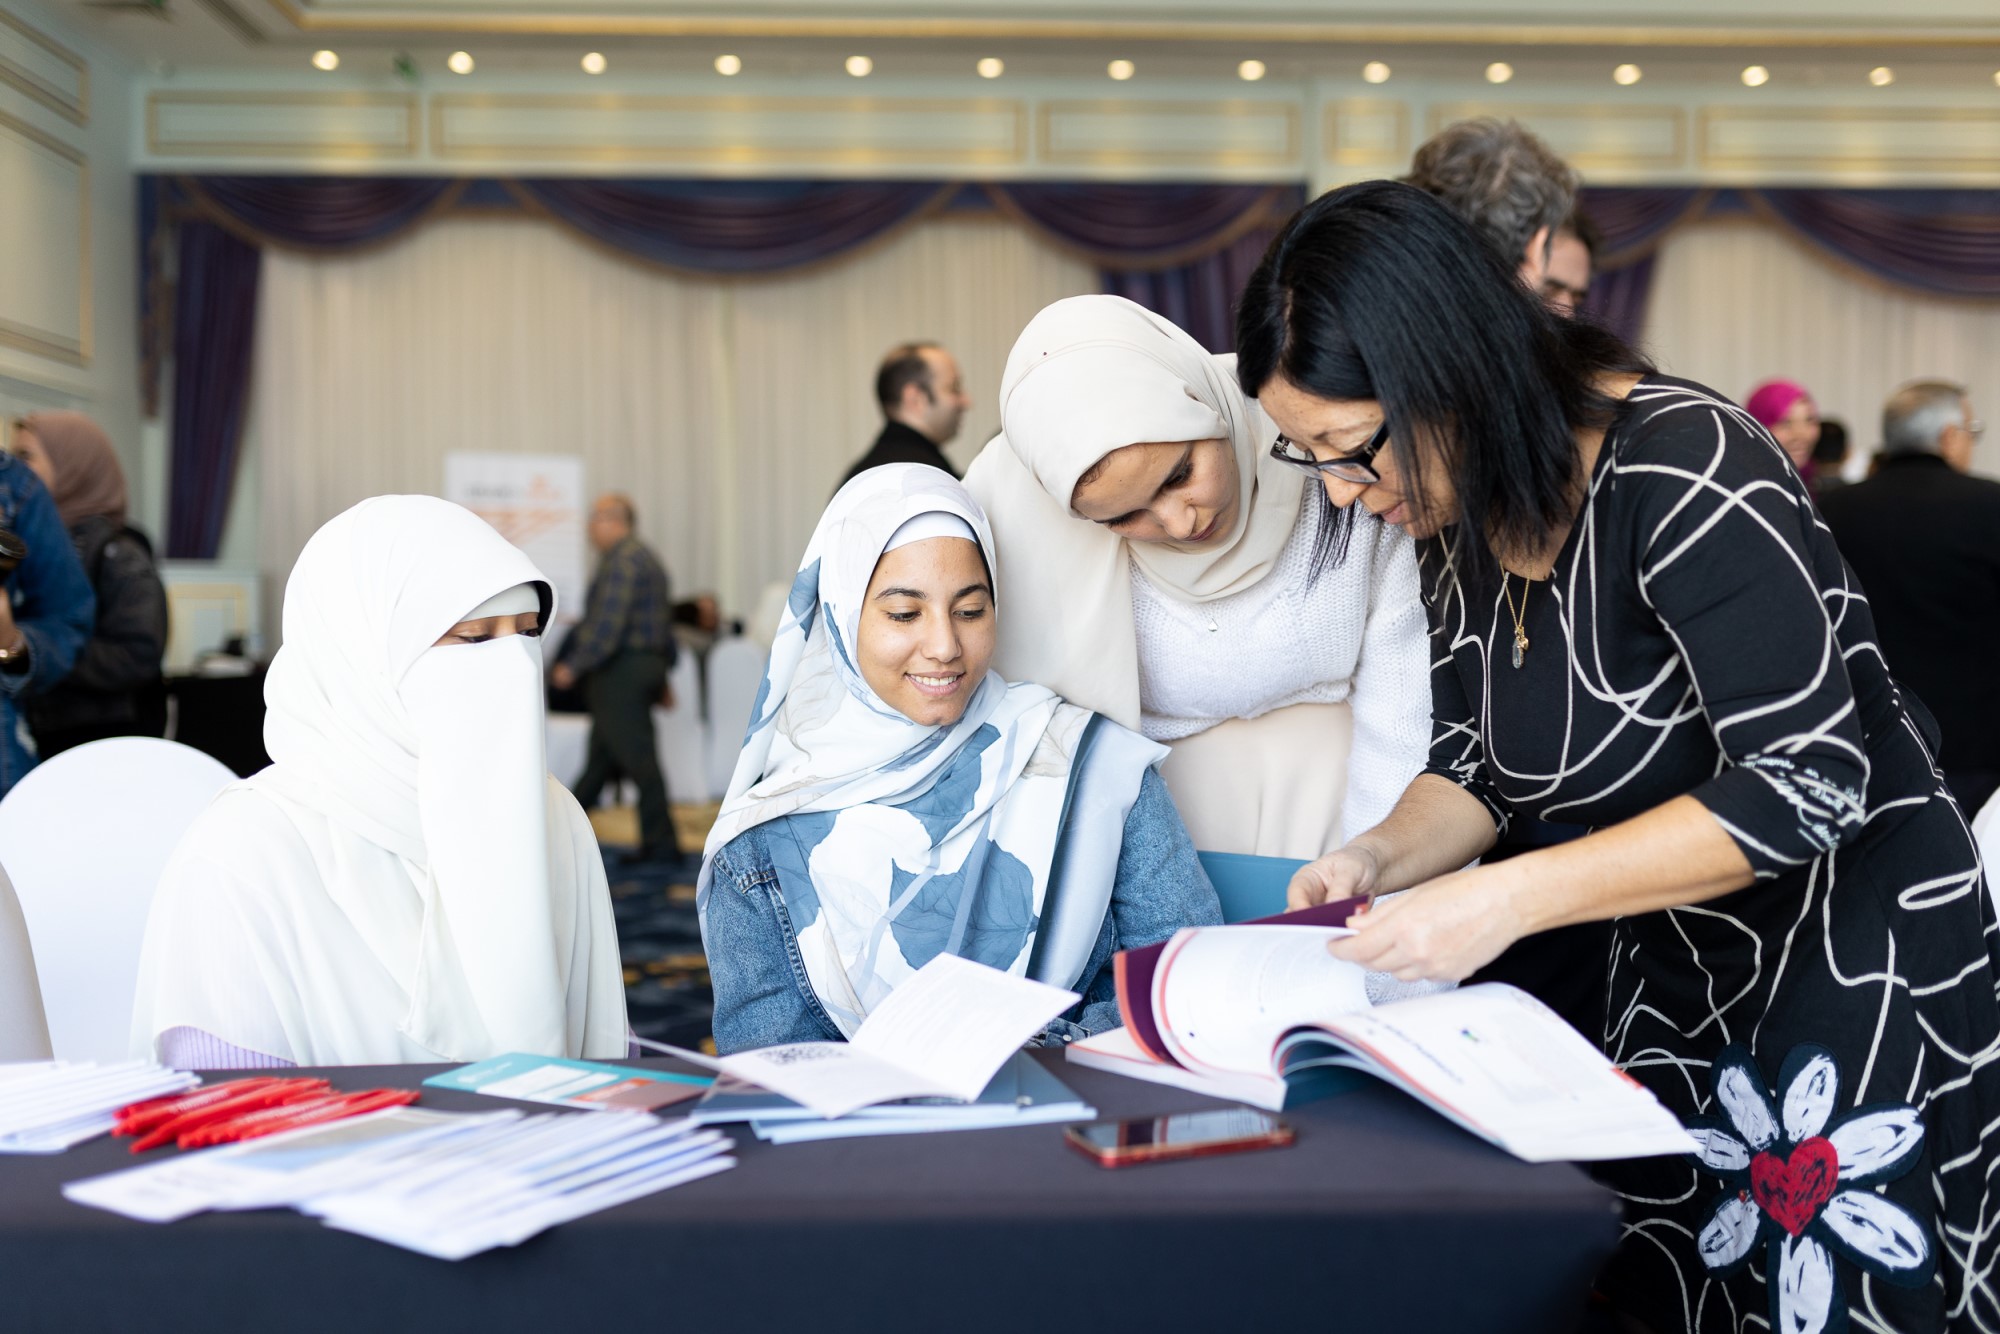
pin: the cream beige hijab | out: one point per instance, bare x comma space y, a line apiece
1091, 374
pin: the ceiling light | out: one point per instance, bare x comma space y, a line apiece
860, 66
459, 62
326, 60
1121, 70
1375, 71
992, 67
1499, 72
1627, 75
1755, 76
1250, 71
727, 65
593, 62
1996, 78
1881, 76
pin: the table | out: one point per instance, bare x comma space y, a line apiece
1383, 1216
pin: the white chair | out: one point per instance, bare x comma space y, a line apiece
1986, 833
24, 1030
682, 736
85, 835
735, 674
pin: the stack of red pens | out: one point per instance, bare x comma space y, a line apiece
246, 1109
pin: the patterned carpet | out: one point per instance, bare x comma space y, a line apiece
667, 994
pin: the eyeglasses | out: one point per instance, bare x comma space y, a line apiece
1975, 427
1356, 467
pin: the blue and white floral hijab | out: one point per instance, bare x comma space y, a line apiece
896, 841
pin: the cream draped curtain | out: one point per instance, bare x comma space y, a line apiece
1737, 302
727, 408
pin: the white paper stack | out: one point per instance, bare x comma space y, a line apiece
441, 1184
49, 1106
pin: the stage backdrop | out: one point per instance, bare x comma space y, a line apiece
728, 408
538, 503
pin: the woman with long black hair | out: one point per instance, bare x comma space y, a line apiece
1639, 624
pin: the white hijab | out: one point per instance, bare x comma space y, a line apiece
445, 862
1091, 374
902, 840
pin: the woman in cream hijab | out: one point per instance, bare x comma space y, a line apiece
406, 882
1189, 585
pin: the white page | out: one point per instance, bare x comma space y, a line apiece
1504, 1064
942, 1033
1223, 996
273, 1169
958, 1021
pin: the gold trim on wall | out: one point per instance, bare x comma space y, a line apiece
1904, 162
1330, 133
307, 17
75, 107
46, 342
746, 153
407, 102
1231, 108
1445, 113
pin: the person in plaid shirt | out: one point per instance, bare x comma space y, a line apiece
621, 652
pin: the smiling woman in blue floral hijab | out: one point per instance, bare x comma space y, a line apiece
895, 800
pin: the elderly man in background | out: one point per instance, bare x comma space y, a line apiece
922, 395
1924, 539
1572, 263
621, 652
1506, 183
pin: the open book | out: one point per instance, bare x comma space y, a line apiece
942, 1033
1261, 1011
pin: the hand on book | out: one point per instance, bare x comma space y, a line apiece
1441, 931
1345, 873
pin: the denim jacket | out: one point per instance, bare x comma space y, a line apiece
52, 604
763, 997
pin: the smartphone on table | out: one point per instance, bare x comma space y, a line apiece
1158, 1139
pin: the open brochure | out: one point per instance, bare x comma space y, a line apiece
942, 1033
1258, 1011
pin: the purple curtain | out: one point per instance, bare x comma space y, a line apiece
1181, 250
1945, 242
1633, 221
1200, 296
215, 317
732, 226
328, 213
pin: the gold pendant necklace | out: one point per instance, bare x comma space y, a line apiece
1520, 626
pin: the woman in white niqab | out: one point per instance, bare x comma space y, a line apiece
405, 882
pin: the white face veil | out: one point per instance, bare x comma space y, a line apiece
445, 844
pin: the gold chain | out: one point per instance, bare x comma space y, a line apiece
1520, 624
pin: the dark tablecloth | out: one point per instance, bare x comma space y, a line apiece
1381, 1217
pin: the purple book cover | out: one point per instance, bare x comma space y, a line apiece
1133, 970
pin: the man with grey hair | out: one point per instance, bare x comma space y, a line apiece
1924, 540
1505, 182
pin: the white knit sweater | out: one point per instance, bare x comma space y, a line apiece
1354, 632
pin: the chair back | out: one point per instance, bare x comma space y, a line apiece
24, 1030
735, 675
1249, 887
681, 736
85, 836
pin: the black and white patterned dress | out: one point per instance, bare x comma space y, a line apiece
1832, 1032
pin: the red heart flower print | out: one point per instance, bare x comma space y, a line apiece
1791, 1190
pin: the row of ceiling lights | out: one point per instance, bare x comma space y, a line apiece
1250, 71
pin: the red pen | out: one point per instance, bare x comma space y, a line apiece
273, 1094
294, 1116
139, 1117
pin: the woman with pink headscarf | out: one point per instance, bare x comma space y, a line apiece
1788, 412
115, 689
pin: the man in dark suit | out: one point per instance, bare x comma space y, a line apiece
922, 394
1924, 539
